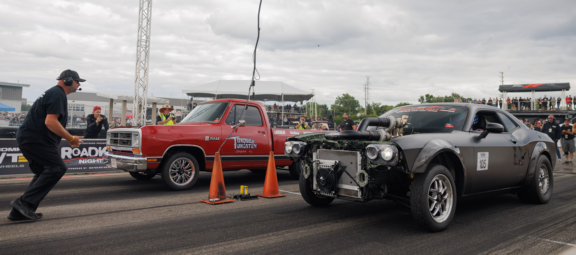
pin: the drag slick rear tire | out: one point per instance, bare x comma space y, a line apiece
309, 196
539, 191
180, 171
142, 176
433, 198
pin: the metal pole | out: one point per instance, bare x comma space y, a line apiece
282, 109
142, 59
110, 110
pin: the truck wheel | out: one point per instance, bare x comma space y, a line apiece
142, 176
539, 191
309, 196
295, 169
433, 198
180, 172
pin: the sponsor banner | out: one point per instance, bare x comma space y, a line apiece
535, 87
86, 158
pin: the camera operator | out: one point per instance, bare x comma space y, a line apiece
95, 122
38, 139
165, 117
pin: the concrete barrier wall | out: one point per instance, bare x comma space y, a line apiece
87, 158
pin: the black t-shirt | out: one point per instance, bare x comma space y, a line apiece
34, 129
347, 125
566, 136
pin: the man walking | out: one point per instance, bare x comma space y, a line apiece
38, 139
554, 132
568, 142
347, 124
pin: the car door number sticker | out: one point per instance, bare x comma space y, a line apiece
482, 161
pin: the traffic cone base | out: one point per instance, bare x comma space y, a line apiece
227, 200
271, 189
217, 193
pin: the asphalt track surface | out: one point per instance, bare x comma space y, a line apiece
115, 214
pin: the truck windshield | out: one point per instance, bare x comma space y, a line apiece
206, 113
430, 119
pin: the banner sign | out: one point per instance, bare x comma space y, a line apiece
86, 158
535, 87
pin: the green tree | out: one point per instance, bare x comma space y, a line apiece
26, 107
346, 104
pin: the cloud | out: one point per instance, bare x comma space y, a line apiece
408, 48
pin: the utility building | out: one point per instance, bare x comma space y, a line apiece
11, 96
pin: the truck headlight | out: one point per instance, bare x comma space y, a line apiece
382, 154
135, 139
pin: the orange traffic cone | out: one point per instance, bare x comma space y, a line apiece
271, 183
217, 194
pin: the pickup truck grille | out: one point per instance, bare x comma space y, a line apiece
121, 139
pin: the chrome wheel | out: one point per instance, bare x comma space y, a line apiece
543, 179
182, 171
440, 198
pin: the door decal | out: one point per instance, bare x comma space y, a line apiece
482, 161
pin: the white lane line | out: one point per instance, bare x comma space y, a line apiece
291, 192
552, 241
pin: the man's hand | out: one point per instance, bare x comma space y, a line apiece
99, 119
75, 143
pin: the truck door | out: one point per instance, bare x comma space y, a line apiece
493, 156
248, 147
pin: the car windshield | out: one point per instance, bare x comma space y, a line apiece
206, 113
430, 119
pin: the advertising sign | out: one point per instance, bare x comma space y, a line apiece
86, 158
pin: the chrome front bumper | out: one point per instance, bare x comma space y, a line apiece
126, 163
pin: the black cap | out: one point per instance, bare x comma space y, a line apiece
70, 73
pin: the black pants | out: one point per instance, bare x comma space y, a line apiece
47, 166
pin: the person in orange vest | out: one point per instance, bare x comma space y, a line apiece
165, 117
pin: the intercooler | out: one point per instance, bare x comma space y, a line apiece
329, 173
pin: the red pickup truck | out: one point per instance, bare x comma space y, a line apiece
178, 152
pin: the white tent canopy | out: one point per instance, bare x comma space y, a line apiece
238, 89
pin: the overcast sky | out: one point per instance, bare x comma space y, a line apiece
408, 48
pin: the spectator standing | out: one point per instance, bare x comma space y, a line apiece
569, 102
558, 101
38, 139
302, 124
508, 103
554, 132
500, 103
568, 142
538, 126
165, 117
95, 122
483, 100
490, 101
347, 124
545, 103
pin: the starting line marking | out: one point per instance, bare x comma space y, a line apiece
291, 192
552, 241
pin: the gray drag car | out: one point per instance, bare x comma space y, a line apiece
426, 157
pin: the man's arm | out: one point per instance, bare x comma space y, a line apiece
54, 125
159, 121
90, 123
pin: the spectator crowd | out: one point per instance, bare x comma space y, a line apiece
524, 104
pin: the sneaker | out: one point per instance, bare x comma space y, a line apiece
24, 210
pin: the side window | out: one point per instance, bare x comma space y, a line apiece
231, 120
508, 123
252, 116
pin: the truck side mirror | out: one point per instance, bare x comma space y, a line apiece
241, 123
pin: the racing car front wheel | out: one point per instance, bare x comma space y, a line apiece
309, 196
180, 171
539, 191
142, 176
295, 169
433, 198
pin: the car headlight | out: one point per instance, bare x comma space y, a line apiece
135, 139
288, 148
382, 154
298, 148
